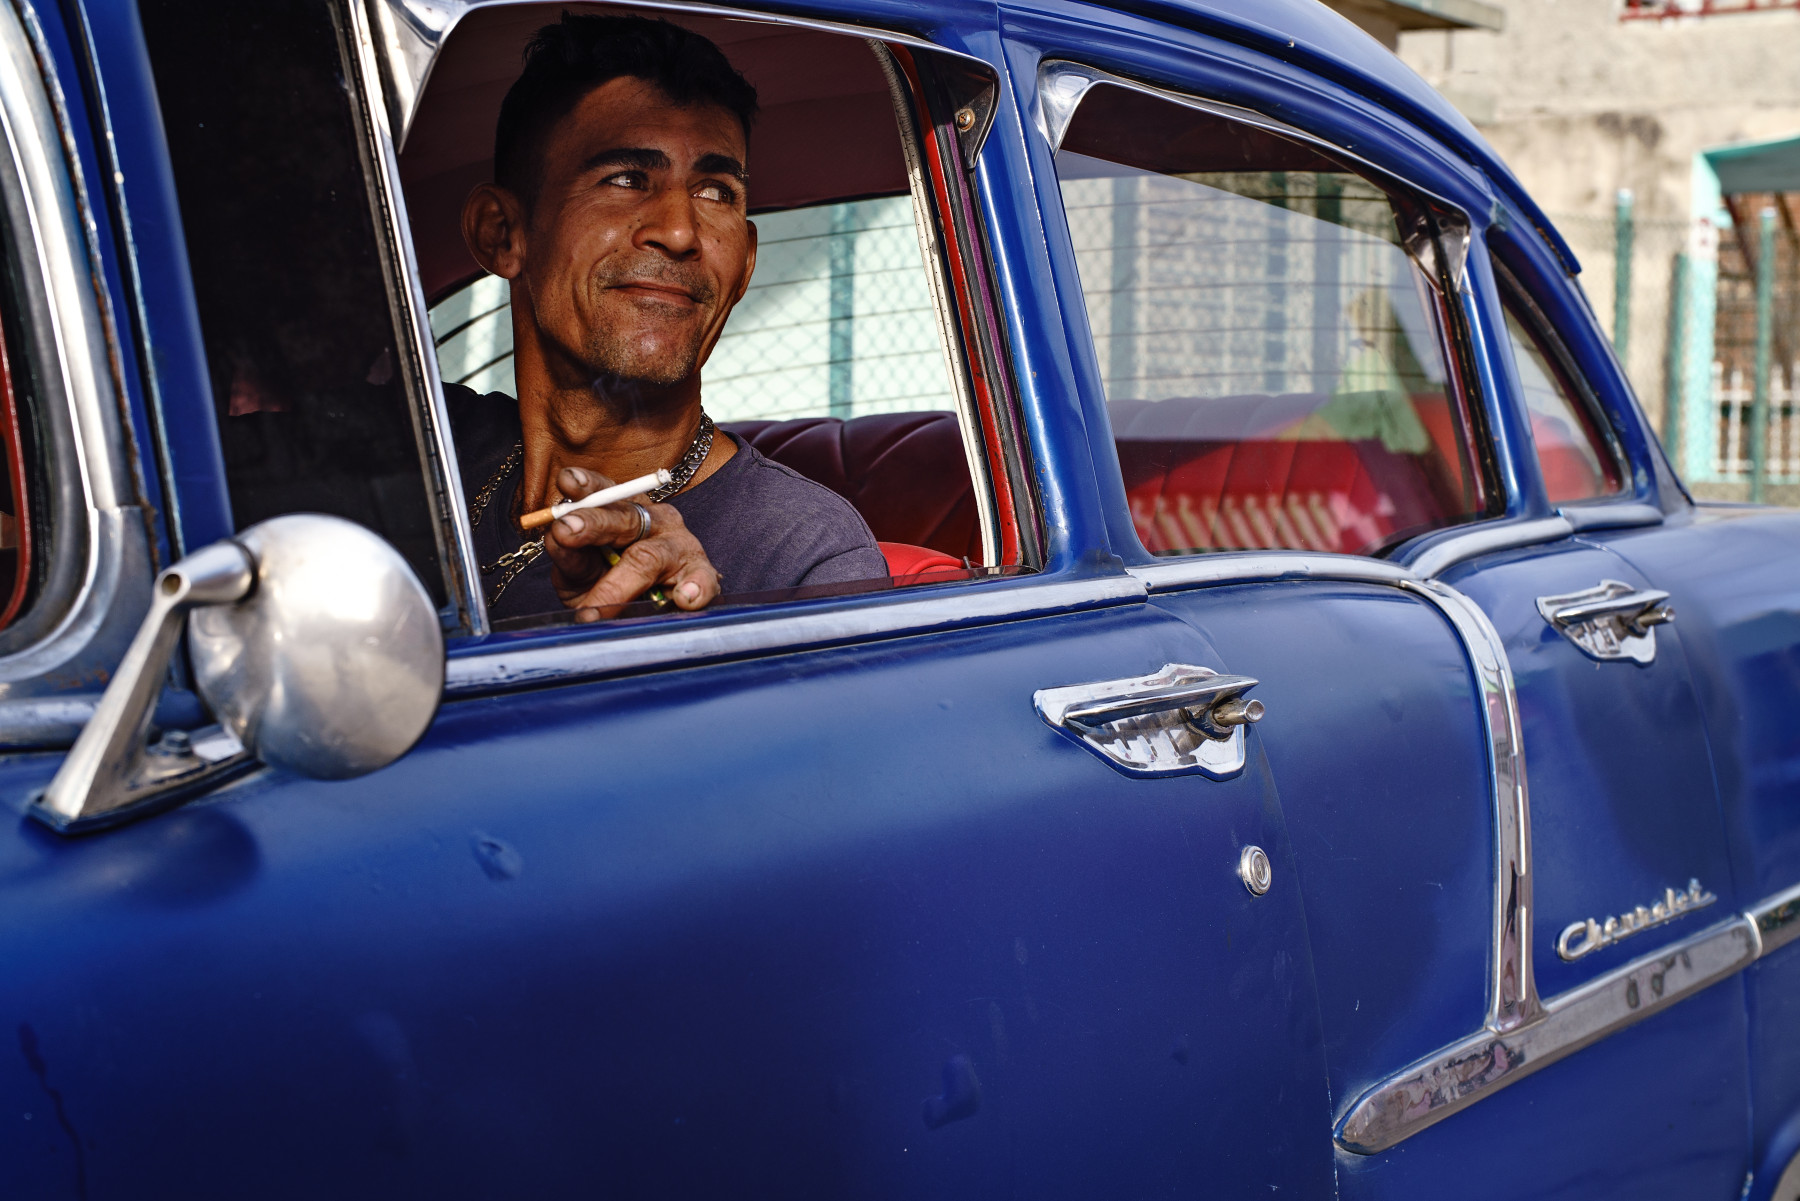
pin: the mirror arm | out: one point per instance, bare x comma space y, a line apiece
110, 774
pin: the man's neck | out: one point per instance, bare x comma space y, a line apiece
619, 429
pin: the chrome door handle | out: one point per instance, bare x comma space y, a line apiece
1611, 620
1181, 719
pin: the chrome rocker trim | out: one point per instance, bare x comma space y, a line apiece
1463, 1073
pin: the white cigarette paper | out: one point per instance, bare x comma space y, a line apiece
629, 490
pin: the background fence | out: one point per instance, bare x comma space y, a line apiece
1698, 317
838, 322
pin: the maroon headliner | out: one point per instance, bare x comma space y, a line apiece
826, 130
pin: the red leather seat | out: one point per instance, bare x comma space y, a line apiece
904, 472
1225, 473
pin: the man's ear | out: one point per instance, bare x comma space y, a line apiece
493, 228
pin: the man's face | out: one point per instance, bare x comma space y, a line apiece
638, 245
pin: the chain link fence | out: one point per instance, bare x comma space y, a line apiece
838, 321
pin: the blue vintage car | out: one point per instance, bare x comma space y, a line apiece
1307, 742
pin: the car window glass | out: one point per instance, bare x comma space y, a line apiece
288, 274
1572, 451
1272, 357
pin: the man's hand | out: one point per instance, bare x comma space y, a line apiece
580, 571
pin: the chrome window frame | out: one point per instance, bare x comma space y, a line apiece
77, 631
396, 43
1061, 85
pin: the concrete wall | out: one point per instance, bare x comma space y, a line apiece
1581, 104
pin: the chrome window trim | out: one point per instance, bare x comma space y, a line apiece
1063, 83
931, 254
430, 411
99, 511
1471, 542
413, 31
1610, 515
676, 643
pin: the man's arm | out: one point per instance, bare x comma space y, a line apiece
669, 556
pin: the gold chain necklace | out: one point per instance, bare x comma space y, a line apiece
513, 562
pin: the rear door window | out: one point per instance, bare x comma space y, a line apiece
1574, 446
1273, 357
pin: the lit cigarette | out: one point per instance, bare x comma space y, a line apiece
629, 490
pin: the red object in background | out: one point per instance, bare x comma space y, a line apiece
906, 473
916, 564
11, 436
1223, 473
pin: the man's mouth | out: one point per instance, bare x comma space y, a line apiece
657, 290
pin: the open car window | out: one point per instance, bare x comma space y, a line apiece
845, 361
331, 277
1274, 359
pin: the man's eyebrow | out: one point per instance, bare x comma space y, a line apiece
722, 164
642, 158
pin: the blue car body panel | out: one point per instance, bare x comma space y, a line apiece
855, 921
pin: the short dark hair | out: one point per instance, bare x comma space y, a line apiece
566, 61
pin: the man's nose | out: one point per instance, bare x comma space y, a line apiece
669, 225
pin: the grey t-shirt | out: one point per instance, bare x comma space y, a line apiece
765, 527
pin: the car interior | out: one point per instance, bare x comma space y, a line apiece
832, 365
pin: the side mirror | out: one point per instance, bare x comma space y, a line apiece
312, 642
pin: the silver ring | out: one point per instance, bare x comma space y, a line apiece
643, 522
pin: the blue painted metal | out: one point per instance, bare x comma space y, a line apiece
876, 922
535, 958
75, 90
1733, 576
167, 325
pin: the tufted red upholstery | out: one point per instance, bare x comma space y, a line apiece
1229, 473
904, 472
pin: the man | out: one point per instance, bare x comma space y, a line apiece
618, 214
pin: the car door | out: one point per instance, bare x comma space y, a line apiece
830, 897
1728, 572
1464, 784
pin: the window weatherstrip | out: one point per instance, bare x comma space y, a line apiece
1062, 84
779, 630
969, 421
417, 347
99, 577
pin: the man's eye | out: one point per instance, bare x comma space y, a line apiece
716, 191
625, 179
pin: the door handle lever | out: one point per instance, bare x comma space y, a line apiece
1178, 720
1611, 620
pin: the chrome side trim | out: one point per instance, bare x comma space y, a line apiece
430, 414
1777, 919
677, 642
1440, 556
1512, 993
409, 34
1202, 571
1610, 516
1463, 1073
100, 560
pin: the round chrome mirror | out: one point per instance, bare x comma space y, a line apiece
333, 665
